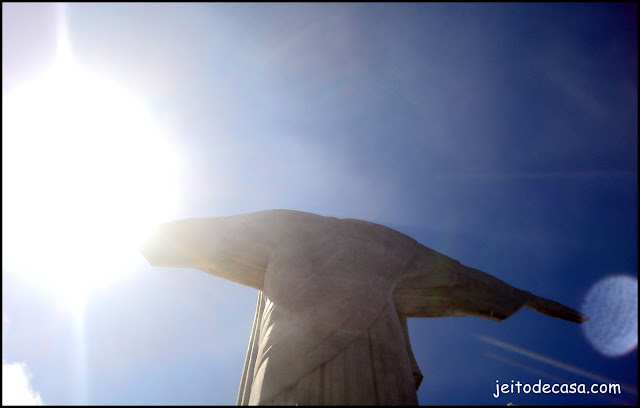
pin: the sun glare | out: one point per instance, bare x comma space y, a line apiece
86, 170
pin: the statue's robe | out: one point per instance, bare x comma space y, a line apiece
334, 295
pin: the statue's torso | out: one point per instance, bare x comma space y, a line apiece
327, 307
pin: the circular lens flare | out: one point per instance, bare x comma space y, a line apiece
612, 305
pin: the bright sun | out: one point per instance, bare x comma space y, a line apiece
85, 172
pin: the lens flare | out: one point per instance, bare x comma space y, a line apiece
612, 304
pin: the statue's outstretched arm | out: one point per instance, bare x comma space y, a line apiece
434, 285
236, 248
227, 247
554, 309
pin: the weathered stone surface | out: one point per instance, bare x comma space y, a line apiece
330, 324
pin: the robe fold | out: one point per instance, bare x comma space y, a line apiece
334, 294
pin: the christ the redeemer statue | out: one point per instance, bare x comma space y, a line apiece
334, 295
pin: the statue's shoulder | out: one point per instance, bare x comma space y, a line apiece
280, 219
287, 226
283, 215
285, 212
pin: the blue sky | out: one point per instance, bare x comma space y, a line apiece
502, 135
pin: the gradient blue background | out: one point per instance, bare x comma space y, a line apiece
502, 135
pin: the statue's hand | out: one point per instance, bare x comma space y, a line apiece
554, 309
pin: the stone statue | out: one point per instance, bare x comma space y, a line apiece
334, 295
